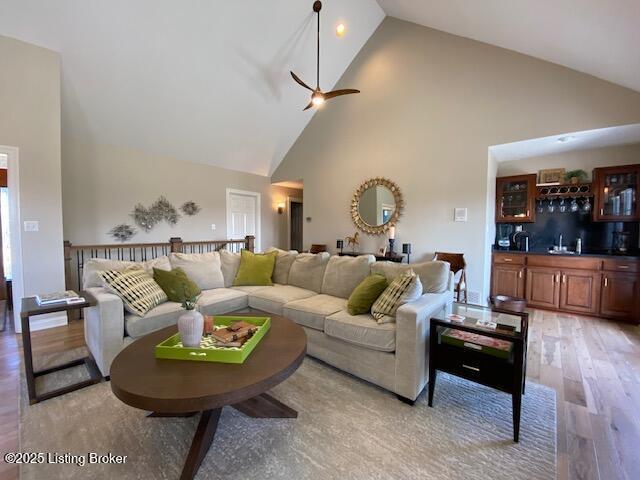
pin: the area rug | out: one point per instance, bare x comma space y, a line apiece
346, 429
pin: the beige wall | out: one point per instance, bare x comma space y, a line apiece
431, 105
30, 121
102, 184
586, 160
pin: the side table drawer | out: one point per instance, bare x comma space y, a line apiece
475, 366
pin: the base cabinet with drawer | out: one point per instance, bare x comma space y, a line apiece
599, 286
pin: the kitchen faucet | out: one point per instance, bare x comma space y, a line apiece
560, 242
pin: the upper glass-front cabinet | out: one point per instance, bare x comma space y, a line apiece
616, 190
515, 199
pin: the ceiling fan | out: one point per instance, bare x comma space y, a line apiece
318, 97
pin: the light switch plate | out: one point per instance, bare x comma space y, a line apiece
213, 226
460, 215
31, 226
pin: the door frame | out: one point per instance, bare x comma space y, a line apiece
17, 277
291, 200
256, 195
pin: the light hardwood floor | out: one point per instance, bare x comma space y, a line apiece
593, 365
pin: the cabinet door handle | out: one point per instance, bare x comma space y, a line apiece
508, 259
475, 369
520, 274
602, 211
556, 278
527, 213
606, 281
564, 279
623, 266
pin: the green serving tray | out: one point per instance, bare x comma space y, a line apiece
172, 347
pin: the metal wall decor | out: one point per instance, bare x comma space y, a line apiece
164, 209
190, 208
389, 213
144, 217
122, 232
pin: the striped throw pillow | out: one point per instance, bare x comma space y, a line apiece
137, 289
395, 295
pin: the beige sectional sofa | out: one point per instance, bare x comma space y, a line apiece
311, 290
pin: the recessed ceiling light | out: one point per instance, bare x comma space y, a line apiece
566, 138
341, 30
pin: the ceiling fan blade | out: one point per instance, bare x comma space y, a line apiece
337, 93
308, 106
300, 82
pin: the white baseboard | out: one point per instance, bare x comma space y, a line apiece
42, 322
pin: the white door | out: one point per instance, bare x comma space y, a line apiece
243, 215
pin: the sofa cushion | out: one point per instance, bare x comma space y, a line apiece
222, 300
92, 267
366, 293
229, 263
176, 284
272, 299
255, 268
249, 288
361, 330
307, 270
284, 260
312, 311
159, 317
434, 276
137, 289
203, 268
344, 274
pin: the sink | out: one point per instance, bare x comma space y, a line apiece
561, 252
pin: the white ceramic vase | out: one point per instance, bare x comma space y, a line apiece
191, 327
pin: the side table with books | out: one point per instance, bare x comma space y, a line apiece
62, 302
484, 345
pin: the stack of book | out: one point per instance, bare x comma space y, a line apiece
57, 298
235, 335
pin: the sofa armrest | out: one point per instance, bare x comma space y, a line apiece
104, 327
412, 341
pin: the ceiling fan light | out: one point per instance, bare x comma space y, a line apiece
317, 99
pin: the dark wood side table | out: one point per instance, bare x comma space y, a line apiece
467, 361
30, 308
395, 257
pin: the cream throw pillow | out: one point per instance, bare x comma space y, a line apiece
404, 289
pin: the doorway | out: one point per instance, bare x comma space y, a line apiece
295, 223
243, 215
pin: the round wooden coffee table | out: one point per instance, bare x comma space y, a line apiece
184, 388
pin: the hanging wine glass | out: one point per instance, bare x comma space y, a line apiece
562, 207
574, 207
540, 206
551, 208
586, 206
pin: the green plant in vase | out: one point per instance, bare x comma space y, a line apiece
575, 176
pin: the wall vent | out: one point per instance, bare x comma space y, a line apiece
474, 297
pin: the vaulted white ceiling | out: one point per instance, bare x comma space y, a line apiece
208, 81
203, 81
598, 37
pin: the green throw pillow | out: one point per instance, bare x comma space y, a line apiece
175, 284
255, 268
366, 293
